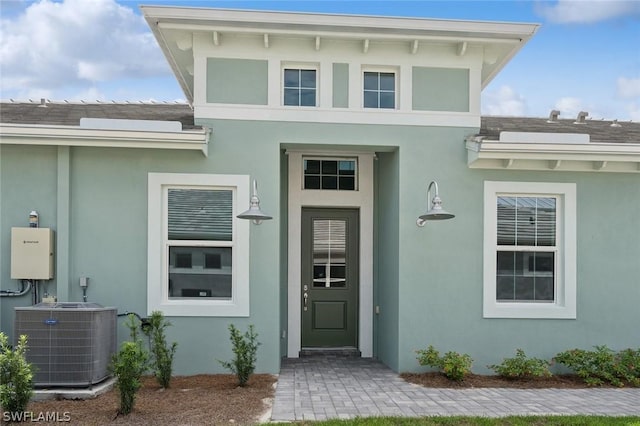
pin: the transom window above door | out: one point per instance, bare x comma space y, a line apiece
300, 87
331, 174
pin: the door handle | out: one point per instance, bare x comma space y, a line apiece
305, 297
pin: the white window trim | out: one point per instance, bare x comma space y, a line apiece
396, 82
330, 158
300, 66
157, 262
564, 306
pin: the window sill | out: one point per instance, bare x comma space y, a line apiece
528, 311
202, 308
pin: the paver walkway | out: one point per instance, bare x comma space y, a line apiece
318, 388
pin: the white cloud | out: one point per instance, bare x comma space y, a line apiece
75, 43
569, 107
584, 12
634, 111
628, 87
505, 102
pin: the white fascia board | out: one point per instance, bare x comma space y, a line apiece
32, 134
568, 156
342, 35
339, 22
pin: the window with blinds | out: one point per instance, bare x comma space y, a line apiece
529, 259
199, 243
526, 248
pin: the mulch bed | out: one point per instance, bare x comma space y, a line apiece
438, 380
191, 400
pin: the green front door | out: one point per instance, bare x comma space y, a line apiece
330, 264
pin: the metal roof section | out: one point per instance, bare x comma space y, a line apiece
150, 126
520, 143
174, 28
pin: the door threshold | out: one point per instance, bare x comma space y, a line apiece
346, 352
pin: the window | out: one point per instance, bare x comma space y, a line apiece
300, 87
530, 250
379, 89
334, 173
198, 249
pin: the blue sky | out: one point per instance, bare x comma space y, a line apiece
586, 55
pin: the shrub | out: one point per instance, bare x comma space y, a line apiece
128, 365
454, 365
16, 375
162, 353
521, 367
603, 365
629, 364
245, 349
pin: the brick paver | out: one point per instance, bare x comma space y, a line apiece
318, 388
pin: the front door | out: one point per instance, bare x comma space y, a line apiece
330, 270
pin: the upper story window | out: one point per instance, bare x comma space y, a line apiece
300, 86
529, 256
379, 89
330, 173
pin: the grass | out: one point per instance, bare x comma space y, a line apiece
483, 421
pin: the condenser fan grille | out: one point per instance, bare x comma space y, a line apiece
68, 345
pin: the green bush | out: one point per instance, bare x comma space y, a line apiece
128, 366
162, 353
16, 375
245, 348
521, 367
454, 365
603, 365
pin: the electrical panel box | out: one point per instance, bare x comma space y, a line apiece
31, 253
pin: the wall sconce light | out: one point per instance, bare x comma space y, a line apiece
436, 212
254, 213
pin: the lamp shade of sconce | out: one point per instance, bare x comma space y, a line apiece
436, 212
254, 213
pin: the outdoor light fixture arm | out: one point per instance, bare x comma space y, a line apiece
254, 213
436, 212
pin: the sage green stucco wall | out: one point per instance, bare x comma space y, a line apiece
340, 85
440, 89
237, 81
387, 220
428, 281
108, 238
441, 270
27, 182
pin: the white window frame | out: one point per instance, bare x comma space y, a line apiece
321, 158
300, 66
564, 304
396, 84
157, 240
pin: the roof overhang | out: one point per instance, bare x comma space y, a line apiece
528, 154
32, 134
174, 27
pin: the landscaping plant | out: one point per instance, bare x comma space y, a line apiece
521, 367
454, 365
245, 348
162, 353
603, 365
128, 366
16, 375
